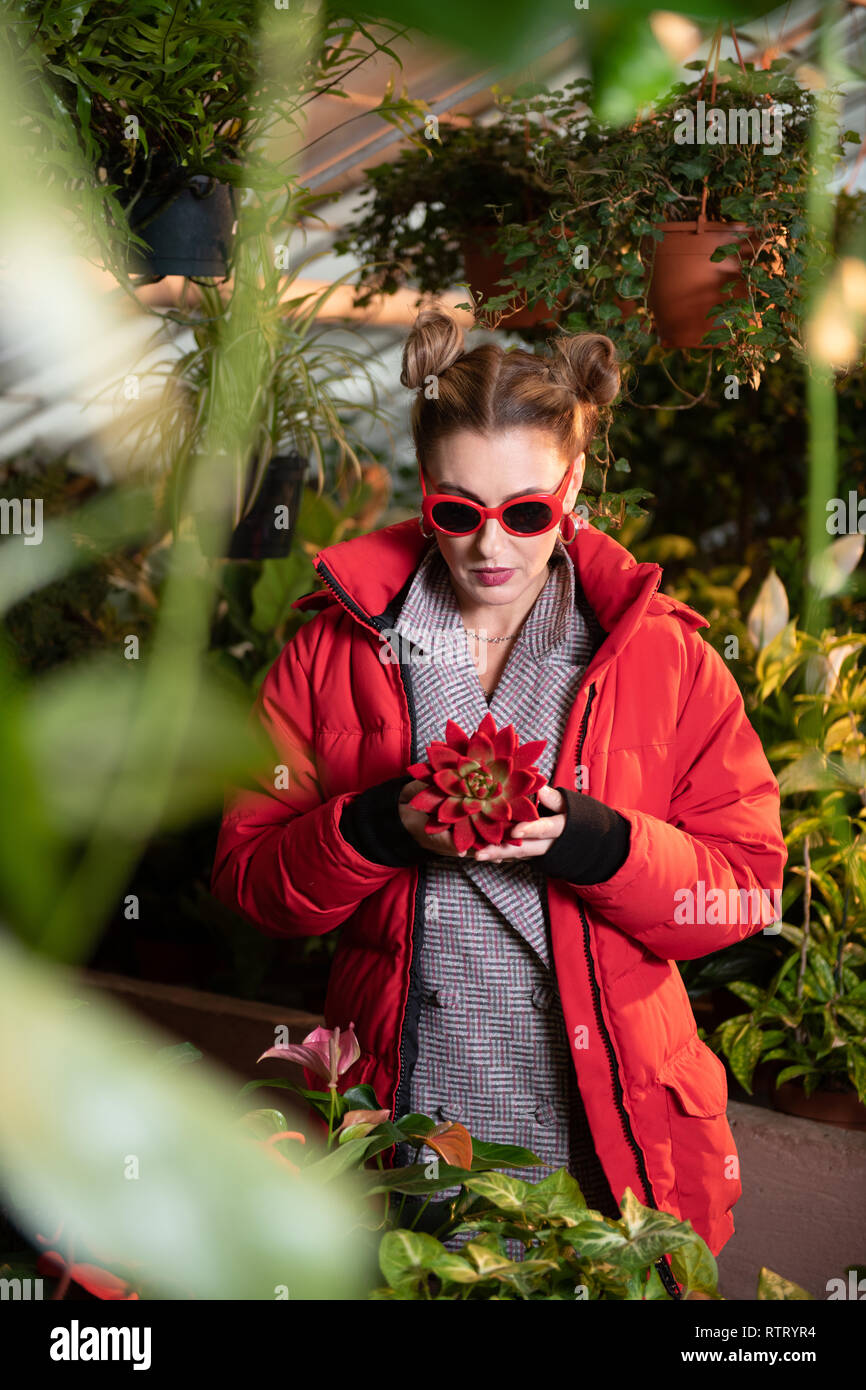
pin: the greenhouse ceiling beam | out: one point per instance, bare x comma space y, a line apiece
481, 82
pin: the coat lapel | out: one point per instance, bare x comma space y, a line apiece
535, 690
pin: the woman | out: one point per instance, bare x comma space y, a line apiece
529, 991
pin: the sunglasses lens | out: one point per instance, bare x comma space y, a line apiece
455, 516
529, 518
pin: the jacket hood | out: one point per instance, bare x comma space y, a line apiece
373, 568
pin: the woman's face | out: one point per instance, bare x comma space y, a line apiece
491, 566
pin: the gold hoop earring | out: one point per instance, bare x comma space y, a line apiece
425, 534
566, 540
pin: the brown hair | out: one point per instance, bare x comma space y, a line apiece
491, 388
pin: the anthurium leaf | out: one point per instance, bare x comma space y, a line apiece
415, 1126
262, 1123
361, 1098
382, 1137
489, 1155
412, 1179
342, 1157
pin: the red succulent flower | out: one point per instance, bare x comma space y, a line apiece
478, 785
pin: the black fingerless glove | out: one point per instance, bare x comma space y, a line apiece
593, 845
371, 824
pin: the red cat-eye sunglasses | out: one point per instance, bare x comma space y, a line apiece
529, 515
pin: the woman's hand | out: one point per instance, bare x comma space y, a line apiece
415, 822
537, 835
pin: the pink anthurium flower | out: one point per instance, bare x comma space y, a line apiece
323, 1051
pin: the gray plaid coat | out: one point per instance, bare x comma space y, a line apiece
493, 1049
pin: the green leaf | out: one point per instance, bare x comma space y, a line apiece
344, 1156
406, 1257
148, 1165
774, 1286
692, 168
79, 726
415, 1126
412, 1179
695, 1268
178, 1054
361, 1098
506, 1193
486, 1154
277, 587
750, 993
557, 1198
744, 1054
263, 1123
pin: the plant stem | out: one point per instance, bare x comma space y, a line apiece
804, 948
331, 1115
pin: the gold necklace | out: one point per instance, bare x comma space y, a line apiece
470, 632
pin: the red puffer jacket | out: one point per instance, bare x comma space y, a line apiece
660, 728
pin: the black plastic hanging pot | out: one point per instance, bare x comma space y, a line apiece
192, 234
259, 535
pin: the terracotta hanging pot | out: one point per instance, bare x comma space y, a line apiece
484, 267
685, 284
842, 1108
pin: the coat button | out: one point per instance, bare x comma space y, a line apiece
448, 997
544, 1115
442, 997
542, 997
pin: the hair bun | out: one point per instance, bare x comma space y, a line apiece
434, 343
587, 364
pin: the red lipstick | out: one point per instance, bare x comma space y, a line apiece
493, 575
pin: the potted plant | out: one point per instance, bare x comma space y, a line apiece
656, 230
559, 1247
282, 385
435, 214
811, 1017
569, 1250
167, 106
160, 104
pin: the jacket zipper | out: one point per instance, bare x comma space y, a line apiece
665, 1272
370, 620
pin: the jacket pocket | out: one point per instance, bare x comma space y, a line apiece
698, 1078
703, 1154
